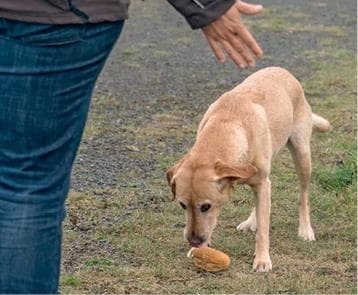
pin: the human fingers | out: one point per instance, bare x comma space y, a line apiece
242, 49
247, 8
249, 40
232, 28
234, 54
215, 47
212, 38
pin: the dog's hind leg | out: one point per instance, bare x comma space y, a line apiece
299, 145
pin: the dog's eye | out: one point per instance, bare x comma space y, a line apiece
205, 207
182, 205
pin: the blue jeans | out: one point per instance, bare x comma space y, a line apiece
47, 76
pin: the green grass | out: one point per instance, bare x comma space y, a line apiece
129, 239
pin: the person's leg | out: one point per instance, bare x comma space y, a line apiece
47, 75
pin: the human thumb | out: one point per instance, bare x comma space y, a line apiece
247, 8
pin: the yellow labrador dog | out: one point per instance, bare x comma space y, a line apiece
236, 141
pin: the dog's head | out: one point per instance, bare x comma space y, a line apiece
202, 190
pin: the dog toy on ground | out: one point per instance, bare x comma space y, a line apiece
209, 259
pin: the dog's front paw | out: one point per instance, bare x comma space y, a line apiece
247, 225
306, 233
262, 264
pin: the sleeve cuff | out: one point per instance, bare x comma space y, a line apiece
200, 13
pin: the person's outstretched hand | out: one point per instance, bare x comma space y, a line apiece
228, 34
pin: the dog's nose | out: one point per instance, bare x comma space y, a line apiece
195, 241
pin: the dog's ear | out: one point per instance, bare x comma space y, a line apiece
229, 173
171, 173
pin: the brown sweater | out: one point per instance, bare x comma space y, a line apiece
198, 13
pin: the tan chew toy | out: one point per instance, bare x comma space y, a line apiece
209, 259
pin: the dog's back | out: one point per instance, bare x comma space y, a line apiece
267, 105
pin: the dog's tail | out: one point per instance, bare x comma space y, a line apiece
320, 124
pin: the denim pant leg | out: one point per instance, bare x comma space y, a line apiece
47, 75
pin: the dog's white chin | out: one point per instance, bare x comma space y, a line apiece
205, 244
189, 254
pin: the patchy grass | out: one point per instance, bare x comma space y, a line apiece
282, 19
128, 238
